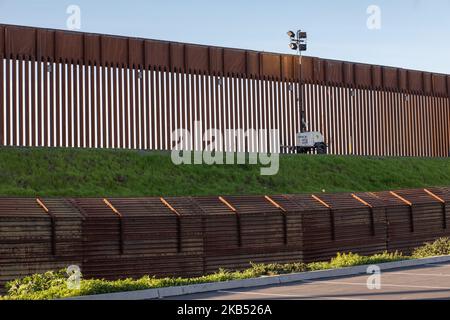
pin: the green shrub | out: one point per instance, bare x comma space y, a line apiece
440, 247
53, 285
343, 260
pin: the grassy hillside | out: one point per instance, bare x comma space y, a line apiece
55, 172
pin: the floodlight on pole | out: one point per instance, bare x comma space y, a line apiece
298, 43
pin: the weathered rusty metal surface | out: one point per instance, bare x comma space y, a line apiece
103, 91
131, 237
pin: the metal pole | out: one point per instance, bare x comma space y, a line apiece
302, 110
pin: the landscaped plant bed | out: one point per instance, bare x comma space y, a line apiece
53, 284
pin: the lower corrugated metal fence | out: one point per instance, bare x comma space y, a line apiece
189, 236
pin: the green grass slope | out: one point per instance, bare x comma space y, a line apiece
57, 172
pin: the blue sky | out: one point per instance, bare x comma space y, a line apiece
414, 33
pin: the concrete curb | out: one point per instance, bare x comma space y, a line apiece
258, 282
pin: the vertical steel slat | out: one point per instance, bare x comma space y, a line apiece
270, 115
141, 119
27, 104
64, 104
286, 110
402, 103
352, 120
211, 115
254, 111
316, 107
46, 104
81, 105
434, 124
372, 123
205, 109
357, 119
183, 105
292, 111
420, 133
140, 108
218, 123
8, 102
163, 119
14, 103
364, 124
426, 110
394, 123
148, 107
190, 107
283, 109
98, 111
412, 124
193, 113
439, 116
343, 98
2, 97
393, 104
389, 122
417, 137
224, 107
339, 116
267, 144
244, 114
383, 119
169, 109
336, 119
258, 110
120, 107
290, 114
329, 119
280, 112
430, 105
126, 108
369, 122
153, 107
406, 112
58, 126
34, 104
51, 121
103, 105
359, 139
296, 110
20, 105
340, 119
442, 132
93, 94
402, 113
70, 105
87, 134
234, 113
111, 105
76, 107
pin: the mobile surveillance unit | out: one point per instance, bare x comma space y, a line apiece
305, 141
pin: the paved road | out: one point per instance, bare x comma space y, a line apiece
427, 282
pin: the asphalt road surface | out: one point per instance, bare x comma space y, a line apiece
420, 283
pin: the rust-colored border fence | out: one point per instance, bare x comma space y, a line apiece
68, 89
190, 236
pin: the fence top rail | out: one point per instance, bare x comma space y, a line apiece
51, 45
